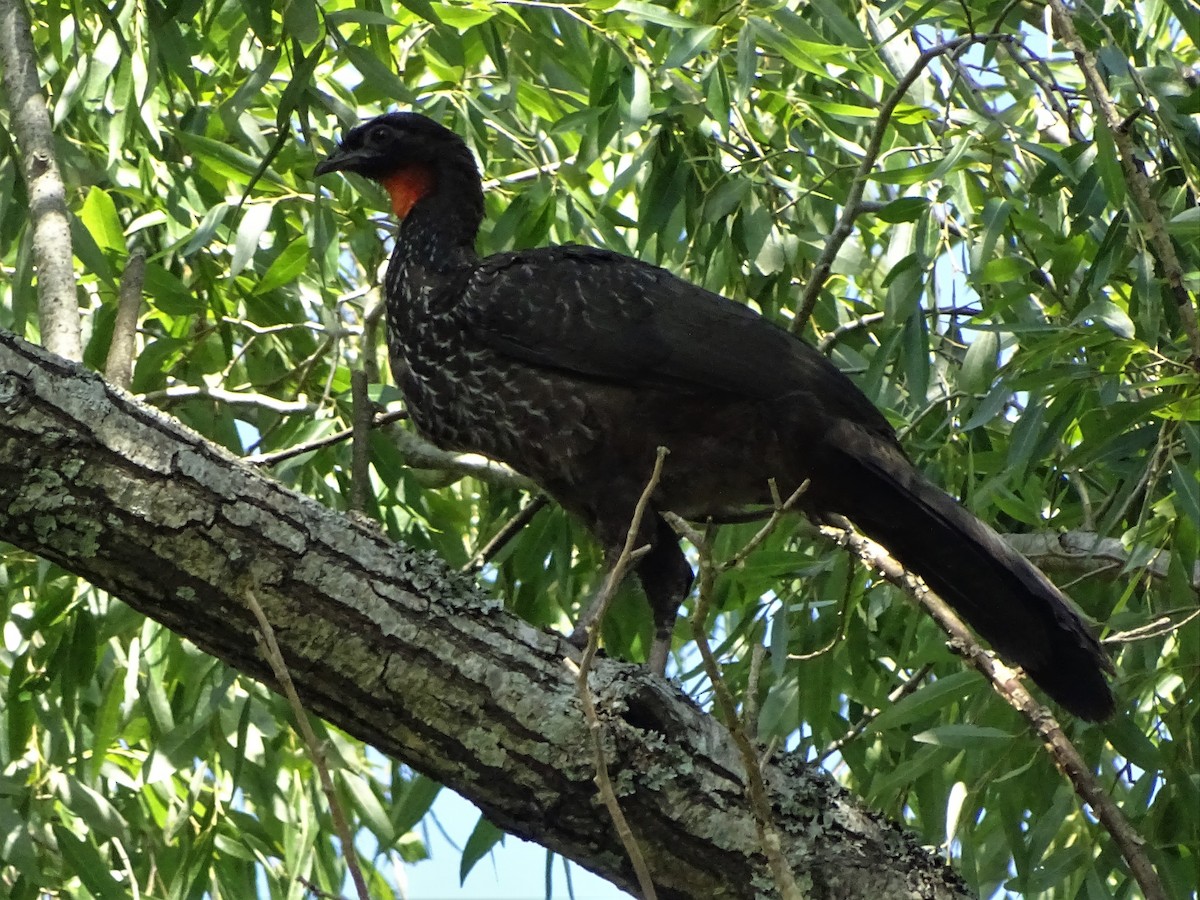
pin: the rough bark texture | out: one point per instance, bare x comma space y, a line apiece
397, 650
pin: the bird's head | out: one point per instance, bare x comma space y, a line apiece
405, 152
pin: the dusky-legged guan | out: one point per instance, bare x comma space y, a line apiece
573, 365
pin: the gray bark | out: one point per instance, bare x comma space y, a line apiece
396, 649
58, 309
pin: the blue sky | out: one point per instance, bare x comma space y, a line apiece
516, 869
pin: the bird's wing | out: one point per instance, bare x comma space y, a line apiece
601, 316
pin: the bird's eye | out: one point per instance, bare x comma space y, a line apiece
380, 135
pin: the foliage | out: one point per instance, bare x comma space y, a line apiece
1000, 298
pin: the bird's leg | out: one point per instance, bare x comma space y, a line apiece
666, 577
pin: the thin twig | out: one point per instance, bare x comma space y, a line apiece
778, 512
629, 555
1008, 685
906, 688
507, 532
756, 789
270, 650
1161, 626
179, 392
270, 459
853, 203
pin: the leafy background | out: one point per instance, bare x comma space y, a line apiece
999, 298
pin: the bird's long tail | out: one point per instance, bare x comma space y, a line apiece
999, 593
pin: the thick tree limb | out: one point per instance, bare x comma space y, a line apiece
398, 650
58, 310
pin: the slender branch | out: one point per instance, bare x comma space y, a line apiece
853, 203
270, 651
629, 554
1161, 626
781, 509
756, 789
179, 392
1008, 684
830, 339
1135, 179
907, 687
118, 367
270, 459
29, 120
507, 532
1088, 552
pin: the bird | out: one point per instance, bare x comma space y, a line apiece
574, 364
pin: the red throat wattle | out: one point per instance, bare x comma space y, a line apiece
406, 186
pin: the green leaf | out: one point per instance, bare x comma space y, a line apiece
99, 216
301, 22
965, 737
1110, 315
1108, 165
368, 806
236, 165
287, 266
980, 362
418, 796
85, 861
168, 293
250, 231
903, 209
483, 838
1004, 270
1186, 482
926, 701
463, 17
657, 15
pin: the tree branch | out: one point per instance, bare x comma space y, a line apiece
58, 309
1008, 685
396, 649
853, 205
1085, 552
1135, 179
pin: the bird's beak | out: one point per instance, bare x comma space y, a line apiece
339, 161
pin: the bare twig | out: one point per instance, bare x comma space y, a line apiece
1088, 552
906, 688
742, 728
628, 556
1008, 684
270, 651
780, 510
1161, 626
828, 340
179, 392
756, 789
852, 206
508, 531
270, 459
118, 367
29, 120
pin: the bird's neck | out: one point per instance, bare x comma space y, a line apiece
441, 211
435, 240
